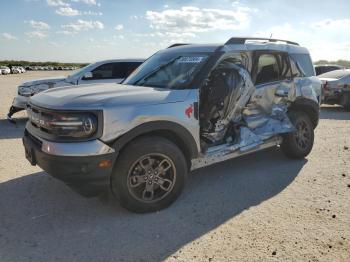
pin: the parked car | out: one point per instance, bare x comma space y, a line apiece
107, 71
15, 70
5, 70
336, 88
321, 69
186, 107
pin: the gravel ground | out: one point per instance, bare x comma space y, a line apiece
261, 207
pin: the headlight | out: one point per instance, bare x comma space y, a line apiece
25, 90
32, 90
64, 125
39, 88
79, 125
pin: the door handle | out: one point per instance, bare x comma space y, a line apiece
281, 93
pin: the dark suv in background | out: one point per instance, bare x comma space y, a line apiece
321, 69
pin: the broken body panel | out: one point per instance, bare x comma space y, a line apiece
259, 114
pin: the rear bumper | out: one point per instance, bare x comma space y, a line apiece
334, 96
79, 170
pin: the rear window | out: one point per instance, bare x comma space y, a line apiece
324, 69
302, 65
337, 74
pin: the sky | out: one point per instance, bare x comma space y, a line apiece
92, 30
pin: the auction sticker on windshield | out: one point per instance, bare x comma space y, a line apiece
191, 59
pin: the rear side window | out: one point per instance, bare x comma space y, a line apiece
301, 65
119, 70
103, 72
272, 67
268, 70
124, 69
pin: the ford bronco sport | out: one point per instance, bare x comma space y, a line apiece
184, 108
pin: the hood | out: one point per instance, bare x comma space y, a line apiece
100, 96
44, 81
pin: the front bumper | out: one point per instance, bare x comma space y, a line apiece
76, 164
20, 101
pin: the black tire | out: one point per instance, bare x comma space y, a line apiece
345, 101
299, 144
142, 163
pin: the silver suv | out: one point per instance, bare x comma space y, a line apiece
184, 108
107, 71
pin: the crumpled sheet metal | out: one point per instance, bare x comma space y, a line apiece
236, 107
270, 125
260, 127
264, 119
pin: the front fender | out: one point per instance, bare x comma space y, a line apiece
179, 134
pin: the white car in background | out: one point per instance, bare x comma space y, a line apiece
5, 70
107, 71
15, 70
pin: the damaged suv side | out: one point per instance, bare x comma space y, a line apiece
186, 107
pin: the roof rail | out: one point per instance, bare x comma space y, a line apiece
242, 40
175, 45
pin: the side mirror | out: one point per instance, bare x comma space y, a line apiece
87, 75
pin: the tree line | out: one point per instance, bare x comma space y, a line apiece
31, 63
345, 63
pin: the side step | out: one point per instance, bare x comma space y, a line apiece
210, 159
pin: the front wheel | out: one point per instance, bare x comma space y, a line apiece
149, 174
299, 143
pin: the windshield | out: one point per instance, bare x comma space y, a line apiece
78, 71
167, 70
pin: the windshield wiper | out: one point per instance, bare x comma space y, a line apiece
155, 71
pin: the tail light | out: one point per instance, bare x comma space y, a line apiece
325, 85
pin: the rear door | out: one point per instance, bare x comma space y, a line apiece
272, 77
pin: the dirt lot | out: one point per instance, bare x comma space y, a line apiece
262, 207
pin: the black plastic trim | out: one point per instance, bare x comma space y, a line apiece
242, 40
308, 106
157, 127
82, 174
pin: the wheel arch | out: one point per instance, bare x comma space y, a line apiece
310, 107
174, 132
